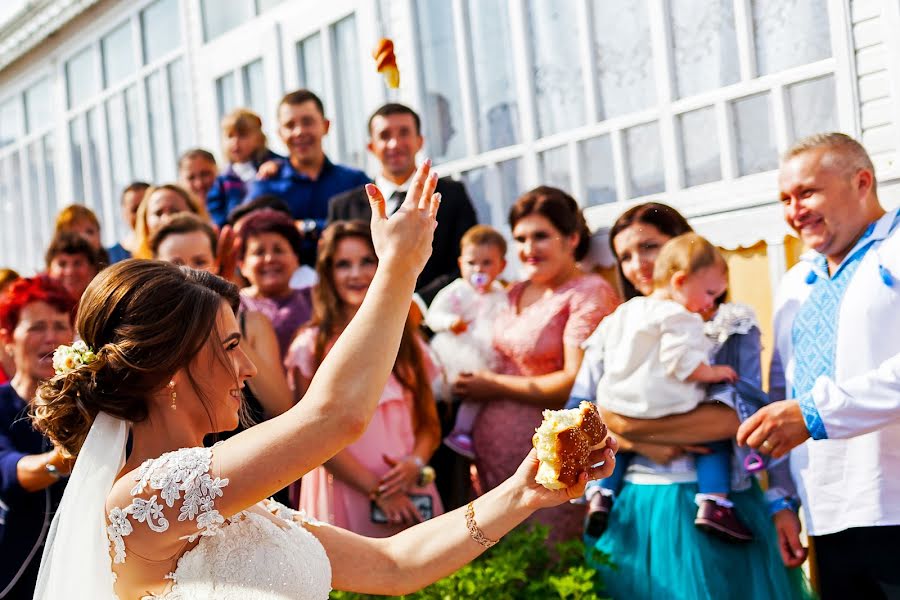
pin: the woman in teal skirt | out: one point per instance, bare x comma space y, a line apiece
655, 549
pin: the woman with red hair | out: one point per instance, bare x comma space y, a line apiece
36, 316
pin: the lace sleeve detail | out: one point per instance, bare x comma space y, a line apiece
180, 475
731, 318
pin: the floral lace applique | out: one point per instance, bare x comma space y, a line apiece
183, 471
731, 318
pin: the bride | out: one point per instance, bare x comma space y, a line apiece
162, 357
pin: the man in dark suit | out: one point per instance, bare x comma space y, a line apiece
394, 139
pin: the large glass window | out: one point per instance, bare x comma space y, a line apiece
444, 129
756, 150
558, 83
122, 168
623, 53
220, 16
76, 148
226, 93
645, 160
555, 168
476, 185
699, 146
492, 62
311, 61
180, 106
352, 130
789, 33
597, 166
81, 77
705, 45
118, 54
160, 139
255, 86
161, 29
11, 122
38, 109
813, 107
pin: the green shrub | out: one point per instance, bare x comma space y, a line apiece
519, 568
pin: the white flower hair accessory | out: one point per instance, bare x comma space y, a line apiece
69, 358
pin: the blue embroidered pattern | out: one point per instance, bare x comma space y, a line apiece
814, 334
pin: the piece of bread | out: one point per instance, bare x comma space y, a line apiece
386, 62
564, 442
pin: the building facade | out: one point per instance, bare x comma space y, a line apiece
685, 101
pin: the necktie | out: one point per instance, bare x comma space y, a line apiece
394, 202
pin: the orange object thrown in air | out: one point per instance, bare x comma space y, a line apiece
386, 62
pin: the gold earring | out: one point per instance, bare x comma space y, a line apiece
174, 394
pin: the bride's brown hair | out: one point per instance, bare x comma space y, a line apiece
144, 320
409, 367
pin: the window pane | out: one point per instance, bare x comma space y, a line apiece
178, 94
254, 86
754, 136
95, 201
443, 100
49, 171
81, 77
38, 110
813, 107
705, 45
310, 62
552, 28
118, 54
352, 130
624, 57
699, 146
160, 142
555, 168
645, 161
220, 16
598, 170
161, 29
122, 163
7, 220
495, 86
511, 182
76, 140
11, 125
789, 33
39, 197
226, 94
476, 184
140, 154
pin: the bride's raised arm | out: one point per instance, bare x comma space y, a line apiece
343, 394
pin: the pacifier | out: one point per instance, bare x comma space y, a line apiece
479, 280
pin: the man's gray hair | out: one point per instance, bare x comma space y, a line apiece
844, 152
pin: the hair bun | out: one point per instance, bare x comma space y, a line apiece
64, 408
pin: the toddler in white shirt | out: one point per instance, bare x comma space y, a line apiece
462, 316
655, 358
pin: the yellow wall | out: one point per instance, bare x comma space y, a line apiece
748, 277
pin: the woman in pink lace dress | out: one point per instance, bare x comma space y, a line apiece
385, 464
538, 340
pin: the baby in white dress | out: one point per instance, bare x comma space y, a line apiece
462, 317
655, 359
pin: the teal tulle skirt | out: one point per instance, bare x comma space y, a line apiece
658, 553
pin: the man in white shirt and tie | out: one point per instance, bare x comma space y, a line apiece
837, 361
394, 139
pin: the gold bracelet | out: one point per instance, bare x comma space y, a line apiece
474, 532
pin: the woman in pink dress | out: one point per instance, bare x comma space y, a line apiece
538, 340
379, 485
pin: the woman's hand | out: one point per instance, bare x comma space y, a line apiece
536, 496
475, 387
398, 508
268, 169
403, 475
787, 527
404, 240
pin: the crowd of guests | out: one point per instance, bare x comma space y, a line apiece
674, 368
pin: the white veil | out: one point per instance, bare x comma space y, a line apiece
76, 564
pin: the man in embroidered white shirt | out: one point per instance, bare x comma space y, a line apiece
837, 360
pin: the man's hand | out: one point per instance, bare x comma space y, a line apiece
774, 429
787, 527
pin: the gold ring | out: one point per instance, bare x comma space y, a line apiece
766, 445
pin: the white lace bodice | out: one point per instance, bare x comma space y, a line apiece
262, 553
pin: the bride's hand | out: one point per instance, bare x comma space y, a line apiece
404, 240
536, 496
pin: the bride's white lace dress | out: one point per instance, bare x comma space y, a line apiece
262, 553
